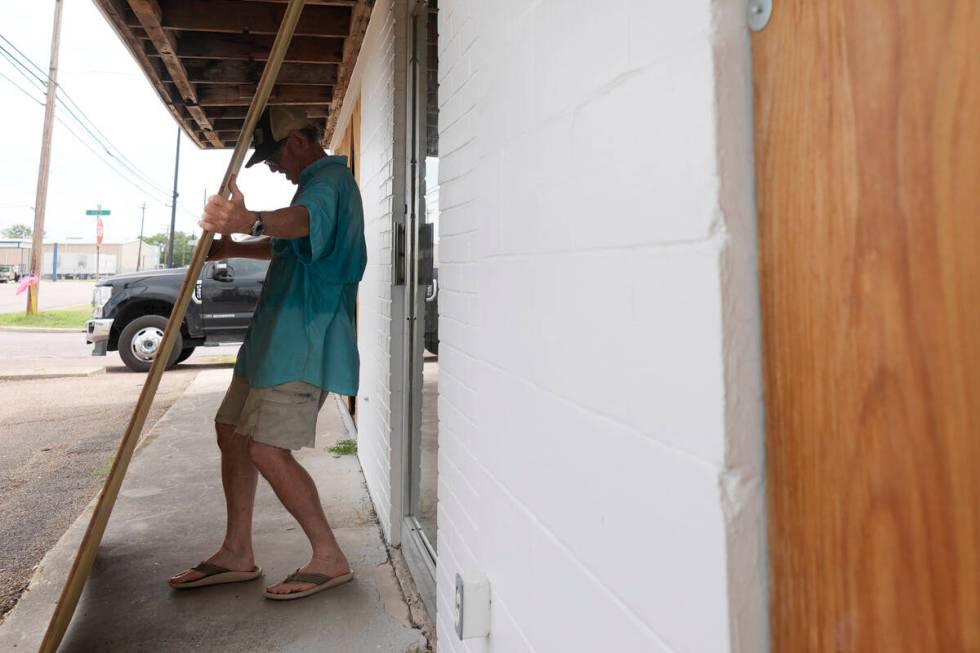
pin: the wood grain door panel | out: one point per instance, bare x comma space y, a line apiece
868, 168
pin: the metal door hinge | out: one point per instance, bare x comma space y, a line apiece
759, 13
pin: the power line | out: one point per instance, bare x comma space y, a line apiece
42, 80
101, 138
64, 93
134, 171
81, 140
22, 89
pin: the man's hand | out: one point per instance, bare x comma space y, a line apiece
224, 216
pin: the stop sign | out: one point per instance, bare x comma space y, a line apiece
98, 232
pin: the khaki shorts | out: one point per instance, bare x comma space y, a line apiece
282, 416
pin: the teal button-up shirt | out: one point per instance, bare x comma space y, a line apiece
303, 326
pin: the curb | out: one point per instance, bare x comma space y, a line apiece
31, 375
43, 329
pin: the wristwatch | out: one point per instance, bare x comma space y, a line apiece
258, 227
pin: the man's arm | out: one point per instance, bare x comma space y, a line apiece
225, 247
290, 222
224, 216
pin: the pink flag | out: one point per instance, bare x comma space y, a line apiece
25, 281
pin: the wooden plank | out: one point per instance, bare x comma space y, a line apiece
89, 546
334, 3
360, 17
224, 124
236, 17
148, 14
235, 124
225, 95
219, 112
115, 11
869, 219
255, 47
203, 71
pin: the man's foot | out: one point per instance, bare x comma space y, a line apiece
223, 558
332, 567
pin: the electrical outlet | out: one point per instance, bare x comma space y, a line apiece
471, 607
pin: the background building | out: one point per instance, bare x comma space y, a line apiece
77, 259
16, 252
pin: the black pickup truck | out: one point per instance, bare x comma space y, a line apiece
129, 311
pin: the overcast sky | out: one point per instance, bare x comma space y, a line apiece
101, 76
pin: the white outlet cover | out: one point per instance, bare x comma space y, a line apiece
471, 607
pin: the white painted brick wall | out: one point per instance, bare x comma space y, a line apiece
375, 77
600, 413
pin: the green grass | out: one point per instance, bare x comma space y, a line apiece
221, 360
344, 448
61, 318
100, 472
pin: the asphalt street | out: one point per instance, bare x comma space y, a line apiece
58, 436
60, 294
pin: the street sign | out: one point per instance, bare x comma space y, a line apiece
98, 212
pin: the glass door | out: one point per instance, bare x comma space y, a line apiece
423, 468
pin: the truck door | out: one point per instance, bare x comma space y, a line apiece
229, 293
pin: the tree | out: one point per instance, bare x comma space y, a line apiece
18, 231
183, 246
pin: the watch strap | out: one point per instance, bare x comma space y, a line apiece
258, 227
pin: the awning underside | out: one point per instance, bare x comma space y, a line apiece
205, 57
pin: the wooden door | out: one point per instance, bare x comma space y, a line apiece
868, 166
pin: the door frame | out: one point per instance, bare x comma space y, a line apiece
408, 305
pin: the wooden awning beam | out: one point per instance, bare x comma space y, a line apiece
115, 12
232, 95
222, 125
226, 71
303, 49
148, 13
360, 17
205, 56
237, 17
331, 3
238, 111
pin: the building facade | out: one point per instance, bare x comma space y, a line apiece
597, 391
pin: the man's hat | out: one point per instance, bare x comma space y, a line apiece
275, 126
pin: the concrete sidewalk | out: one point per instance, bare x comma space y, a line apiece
170, 515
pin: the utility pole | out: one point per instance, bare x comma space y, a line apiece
139, 248
173, 207
37, 241
98, 240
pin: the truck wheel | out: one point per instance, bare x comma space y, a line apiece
185, 353
140, 340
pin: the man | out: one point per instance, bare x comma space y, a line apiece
300, 346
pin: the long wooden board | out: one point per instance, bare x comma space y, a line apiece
868, 169
107, 497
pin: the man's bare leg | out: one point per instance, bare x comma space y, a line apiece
239, 479
297, 492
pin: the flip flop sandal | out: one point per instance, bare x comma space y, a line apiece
321, 581
217, 575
